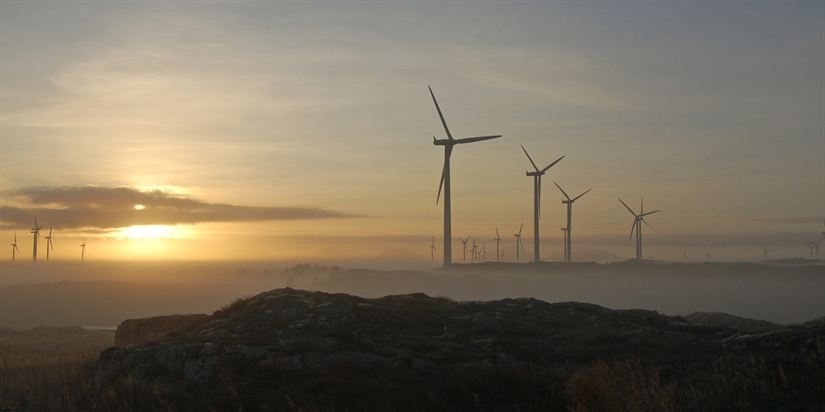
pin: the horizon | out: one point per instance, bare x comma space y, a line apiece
275, 132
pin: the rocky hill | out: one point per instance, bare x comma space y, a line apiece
289, 349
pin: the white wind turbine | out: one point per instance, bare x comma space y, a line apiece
765, 251
14, 247
49, 245
464, 242
432, 249
568, 246
813, 246
637, 226
475, 250
448, 144
498, 240
483, 252
537, 201
36, 232
83, 250
518, 242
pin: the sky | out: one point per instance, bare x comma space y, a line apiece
274, 130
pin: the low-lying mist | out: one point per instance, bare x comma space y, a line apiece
103, 294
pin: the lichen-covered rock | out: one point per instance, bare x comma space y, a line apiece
156, 329
288, 349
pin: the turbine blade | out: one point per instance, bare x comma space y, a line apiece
475, 139
649, 213
538, 199
576, 198
497, 236
648, 224
441, 182
562, 191
519, 229
446, 129
530, 158
628, 208
632, 228
551, 164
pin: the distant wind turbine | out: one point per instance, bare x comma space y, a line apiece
708, 255
568, 254
813, 246
14, 247
765, 251
518, 242
464, 242
432, 249
483, 252
684, 255
822, 233
537, 201
637, 226
498, 240
49, 245
448, 144
36, 232
475, 250
83, 250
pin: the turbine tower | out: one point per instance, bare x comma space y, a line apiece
36, 232
637, 226
498, 240
432, 249
448, 144
49, 245
537, 201
14, 247
83, 250
518, 242
568, 254
564, 241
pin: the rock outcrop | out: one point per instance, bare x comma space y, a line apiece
288, 349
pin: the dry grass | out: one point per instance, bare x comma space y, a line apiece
626, 386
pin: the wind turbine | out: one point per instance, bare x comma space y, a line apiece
432, 249
765, 251
475, 250
708, 255
637, 226
684, 255
483, 253
813, 246
448, 144
14, 247
518, 242
537, 200
36, 232
49, 245
464, 242
822, 233
83, 250
498, 240
568, 254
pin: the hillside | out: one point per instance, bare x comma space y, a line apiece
288, 349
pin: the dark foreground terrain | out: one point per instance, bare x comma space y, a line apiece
288, 349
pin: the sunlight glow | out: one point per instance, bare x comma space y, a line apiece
146, 231
140, 207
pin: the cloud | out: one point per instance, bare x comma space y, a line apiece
117, 207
